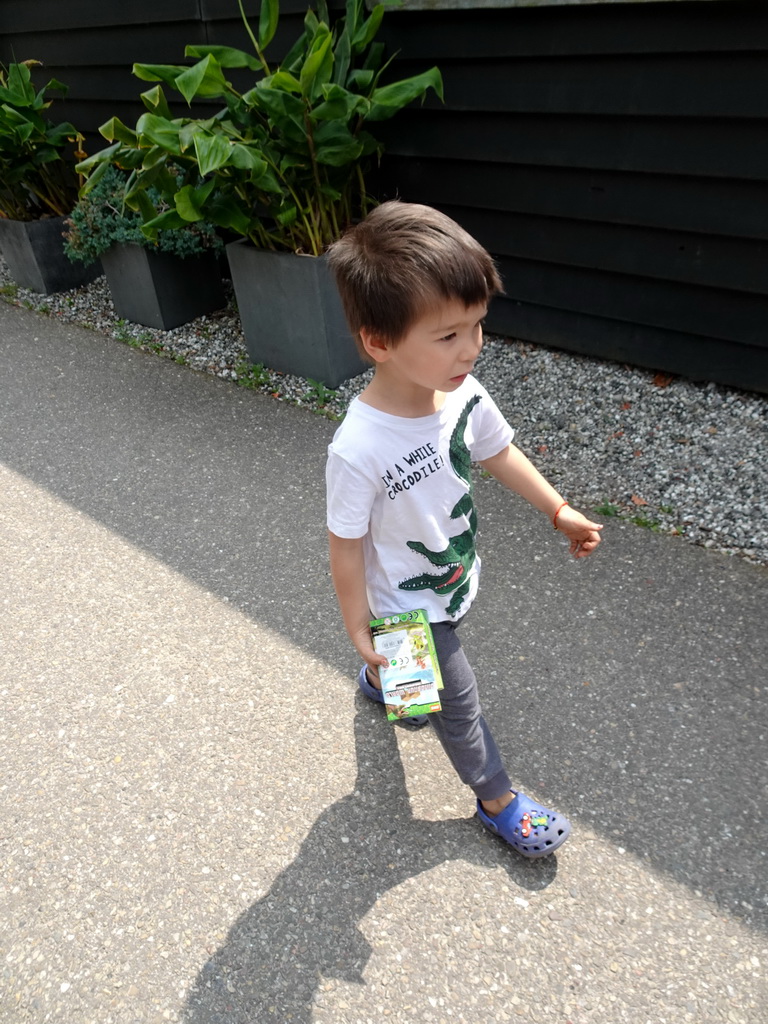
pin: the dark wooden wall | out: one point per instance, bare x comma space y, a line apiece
613, 157
91, 46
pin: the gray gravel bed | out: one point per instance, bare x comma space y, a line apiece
666, 453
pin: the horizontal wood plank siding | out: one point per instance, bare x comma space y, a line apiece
612, 157
675, 146
699, 357
614, 160
705, 205
31, 16
572, 31
657, 85
113, 46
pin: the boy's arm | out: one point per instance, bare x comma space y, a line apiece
519, 474
348, 572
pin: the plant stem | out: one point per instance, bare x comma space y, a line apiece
322, 216
259, 54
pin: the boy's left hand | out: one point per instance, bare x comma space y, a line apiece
583, 534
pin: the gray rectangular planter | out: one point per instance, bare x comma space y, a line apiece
291, 314
34, 253
158, 289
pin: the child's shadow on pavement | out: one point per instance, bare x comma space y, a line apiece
306, 927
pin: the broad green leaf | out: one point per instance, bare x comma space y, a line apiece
24, 131
187, 134
352, 16
142, 178
188, 204
189, 82
203, 79
17, 117
212, 151
170, 219
227, 56
233, 108
227, 213
269, 183
246, 159
285, 110
104, 156
155, 102
160, 132
230, 129
45, 155
360, 79
287, 215
53, 86
153, 157
139, 200
318, 66
132, 203
291, 160
56, 86
370, 144
335, 145
203, 192
162, 179
159, 72
276, 102
292, 59
339, 104
94, 178
269, 16
61, 133
368, 29
115, 129
20, 86
190, 201
130, 159
342, 57
386, 101
283, 80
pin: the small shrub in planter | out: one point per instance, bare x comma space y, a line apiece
161, 283
38, 183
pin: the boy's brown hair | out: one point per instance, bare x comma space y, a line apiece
392, 266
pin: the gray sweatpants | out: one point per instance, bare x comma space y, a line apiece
460, 726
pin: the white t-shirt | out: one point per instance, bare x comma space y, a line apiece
404, 486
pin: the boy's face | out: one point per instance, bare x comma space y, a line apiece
439, 349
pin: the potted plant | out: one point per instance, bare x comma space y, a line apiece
161, 283
38, 184
282, 164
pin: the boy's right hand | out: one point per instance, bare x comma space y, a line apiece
348, 571
364, 647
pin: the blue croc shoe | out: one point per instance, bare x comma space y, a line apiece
530, 828
413, 721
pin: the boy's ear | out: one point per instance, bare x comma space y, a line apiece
377, 348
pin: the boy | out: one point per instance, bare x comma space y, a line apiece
415, 289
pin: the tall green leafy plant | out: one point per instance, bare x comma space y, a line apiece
283, 163
36, 177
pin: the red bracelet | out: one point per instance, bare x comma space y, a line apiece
554, 517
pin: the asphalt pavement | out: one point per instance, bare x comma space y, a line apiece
201, 821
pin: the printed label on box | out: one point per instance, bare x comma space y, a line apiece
411, 681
